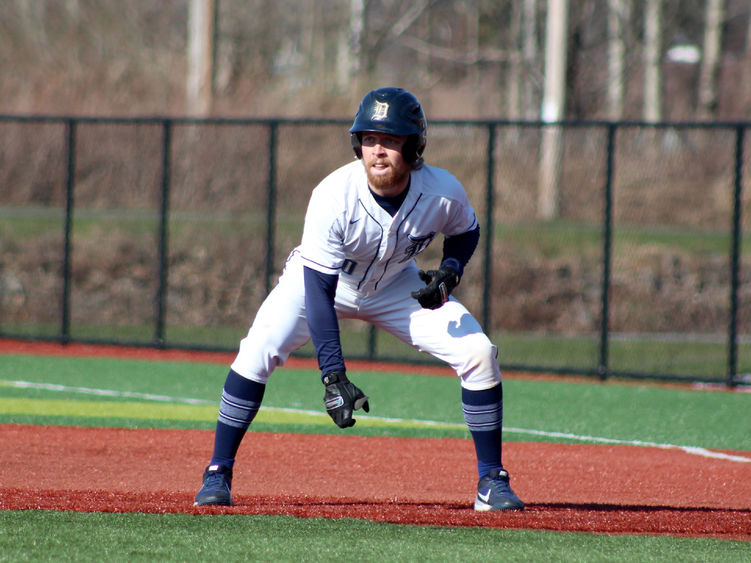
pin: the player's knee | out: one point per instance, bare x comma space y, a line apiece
479, 369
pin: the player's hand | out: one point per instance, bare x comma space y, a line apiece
440, 284
342, 397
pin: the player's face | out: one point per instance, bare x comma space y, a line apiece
388, 172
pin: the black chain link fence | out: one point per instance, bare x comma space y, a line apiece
170, 232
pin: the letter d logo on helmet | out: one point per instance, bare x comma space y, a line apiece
380, 111
394, 111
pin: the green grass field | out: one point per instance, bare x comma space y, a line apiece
143, 394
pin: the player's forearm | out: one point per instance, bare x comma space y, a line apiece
322, 322
457, 250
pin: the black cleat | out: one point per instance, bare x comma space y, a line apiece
217, 482
494, 493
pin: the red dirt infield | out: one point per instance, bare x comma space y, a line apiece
584, 488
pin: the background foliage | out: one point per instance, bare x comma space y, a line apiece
465, 59
673, 187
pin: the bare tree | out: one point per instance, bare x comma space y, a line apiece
200, 56
350, 45
619, 14
472, 17
514, 74
553, 107
33, 20
376, 39
73, 7
652, 106
313, 41
746, 107
714, 15
529, 56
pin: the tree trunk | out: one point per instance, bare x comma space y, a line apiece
472, 17
652, 108
529, 56
350, 46
33, 21
200, 56
710, 62
746, 105
619, 12
553, 109
513, 72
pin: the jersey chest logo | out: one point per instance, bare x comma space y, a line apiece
416, 245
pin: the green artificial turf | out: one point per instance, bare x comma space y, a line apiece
402, 404
54, 536
157, 394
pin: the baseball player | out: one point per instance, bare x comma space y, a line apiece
364, 225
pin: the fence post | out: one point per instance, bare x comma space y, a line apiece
607, 242
271, 205
161, 295
70, 148
732, 368
489, 228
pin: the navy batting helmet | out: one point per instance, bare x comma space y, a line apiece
394, 111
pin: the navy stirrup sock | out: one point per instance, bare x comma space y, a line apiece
483, 413
241, 399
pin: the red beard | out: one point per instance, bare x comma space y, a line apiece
385, 181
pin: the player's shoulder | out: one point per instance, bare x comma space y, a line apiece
336, 192
439, 182
341, 184
342, 180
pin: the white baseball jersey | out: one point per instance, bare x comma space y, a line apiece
347, 232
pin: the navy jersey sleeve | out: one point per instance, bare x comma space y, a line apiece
320, 289
457, 250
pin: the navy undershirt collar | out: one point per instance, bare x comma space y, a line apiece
391, 204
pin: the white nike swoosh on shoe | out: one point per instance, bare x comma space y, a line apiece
484, 497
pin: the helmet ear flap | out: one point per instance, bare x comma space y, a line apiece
356, 140
412, 151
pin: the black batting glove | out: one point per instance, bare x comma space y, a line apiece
440, 284
342, 397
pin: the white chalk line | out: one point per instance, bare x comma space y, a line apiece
692, 450
106, 392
